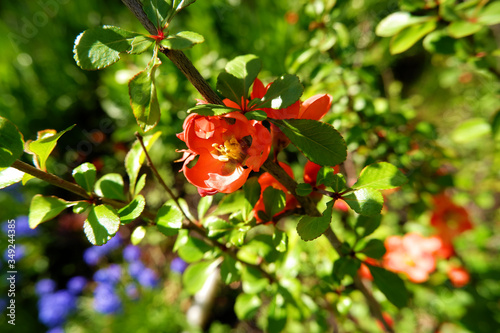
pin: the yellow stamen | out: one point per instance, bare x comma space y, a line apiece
231, 150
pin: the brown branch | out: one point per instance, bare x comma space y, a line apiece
136, 8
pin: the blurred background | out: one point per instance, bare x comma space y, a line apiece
432, 114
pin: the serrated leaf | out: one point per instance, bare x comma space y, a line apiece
110, 186
101, 224
169, 219
183, 40
459, 29
396, 22
195, 275
247, 306
100, 47
211, 110
217, 227
135, 158
84, 175
490, 14
133, 210
43, 209
11, 143
391, 285
140, 44
311, 227
283, 92
410, 35
10, 176
380, 176
365, 225
140, 185
375, 248
274, 201
138, 235
143, 98
43, 146
319, 142
365, 201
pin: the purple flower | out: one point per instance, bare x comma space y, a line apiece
132, 253
45, 286
56, 330
76, 284
111, 245
22, 227
148, 278
54, 308
132, 291
135, 269
94, 254
178, 265
20, 252
106, 300
110, 274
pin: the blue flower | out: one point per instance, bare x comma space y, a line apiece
110, 274
45, 286
106, 301
56, 330
178, 265
76, 284
132, 253
54, 308
22, 227
135, 269
94, 254
148, 278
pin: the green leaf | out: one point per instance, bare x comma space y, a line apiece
409, 36
490, 14
439, 42
311, 227
380, 176
161, 12
229, 272
84, 175
211, 110
274, 201
135, 157
459, 29
183, 40
10, 176
101, 224
140, 185
365, 201
133, 210
251, 189
138, 235
375, 248
195, 275
471, 130
252, 281
110, 186
80, 207
240, 74
231, 203
277, 314
192, 249
217, 227
169, 219
303, 189
203, 206
391, 285
346, 266
283, 92
44, 145
247, 306
280, 240
141, 44
318, 141
395, 22
365, 225
256, 115
43, 209
143, 98
11, 143
100, 47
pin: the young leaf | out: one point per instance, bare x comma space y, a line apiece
169, 219
183, 40
99, 47
161, 12
135, 157
84, 175
374, 249
380, 176
138, 235
80, 207
10, 176
247, 305
365, 201
211, 110
11, 143
311, 227
43, 209
195, 275
396, 22
318, 141
43, 146
101, 224
274, 201
283, 92
143, 98
409, 36
140, 44
110, 186
133, 210
390, 285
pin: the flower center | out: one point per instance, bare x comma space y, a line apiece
230, 151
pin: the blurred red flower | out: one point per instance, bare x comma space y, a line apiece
228, 148
458, 276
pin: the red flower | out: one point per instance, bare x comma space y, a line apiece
412, 255
266, 180
228, 148
458, 276
311, 170
450, 221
